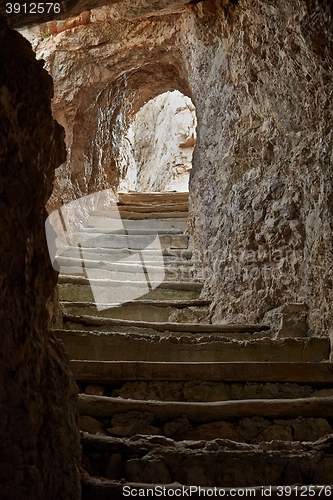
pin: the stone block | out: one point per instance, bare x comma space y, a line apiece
179, 241
288, 320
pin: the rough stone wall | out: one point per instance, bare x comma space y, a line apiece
38, 433
103, 73
156, 151
261, 184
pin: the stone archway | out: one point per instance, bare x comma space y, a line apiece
156, 150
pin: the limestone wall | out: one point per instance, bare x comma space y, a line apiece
39, 439
261, 183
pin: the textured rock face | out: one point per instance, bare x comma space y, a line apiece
261, 183
104, 72
156, 152
38, 434
261, 186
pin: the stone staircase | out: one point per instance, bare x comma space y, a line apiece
168, 399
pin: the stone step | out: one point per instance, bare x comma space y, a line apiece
207, 412
156, 225
161, 311
130, 232
184, 275
94, 321
173, 347
123, 265
170, 197
197, 469
124, 270
106, 372
77, 288
81, 280
152, 207
251, 430
116, 255
97, 488
130, 214
134, 242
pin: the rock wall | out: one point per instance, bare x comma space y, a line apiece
38, 432
261, 187
156, 151
261, 184
104, 71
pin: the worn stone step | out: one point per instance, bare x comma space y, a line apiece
165, 326
198, 468
124, 271
104, 407
81, 280
117, 255
106, 372
169, 197
125, 265
83, 293
134, 225
161, 311
135, 231
184, 275
173, 347
153, 207
180, 216
134, 242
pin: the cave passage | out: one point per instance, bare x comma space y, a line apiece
156, 150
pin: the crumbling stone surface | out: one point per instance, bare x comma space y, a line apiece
38, 420
261, 182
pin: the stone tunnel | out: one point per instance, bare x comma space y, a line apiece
219, 376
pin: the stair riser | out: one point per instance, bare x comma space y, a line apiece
83, 293
114, 255
116, 241
140, 312
130, 215
251, 430
157, 225
208, 391
175, 274
121, 347
226, 468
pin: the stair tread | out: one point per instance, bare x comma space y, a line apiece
311, 373
157, 197
133, 215
81, 280
182, 346
156, 303
178, 327
103, 406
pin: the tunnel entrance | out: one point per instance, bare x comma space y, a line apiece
156, 150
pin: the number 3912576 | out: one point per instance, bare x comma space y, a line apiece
33, 8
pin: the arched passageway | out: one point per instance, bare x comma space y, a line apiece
156, 150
